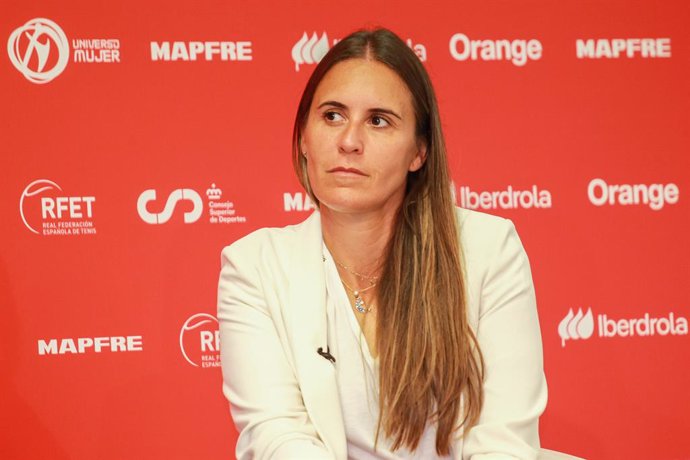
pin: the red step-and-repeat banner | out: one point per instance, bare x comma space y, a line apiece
140, 138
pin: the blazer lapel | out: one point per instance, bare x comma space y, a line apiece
308, 326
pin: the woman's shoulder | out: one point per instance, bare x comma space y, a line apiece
495, 263
275, 238
487, 239
480, 228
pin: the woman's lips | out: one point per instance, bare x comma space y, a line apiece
340, 170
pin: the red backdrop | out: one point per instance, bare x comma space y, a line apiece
139, 138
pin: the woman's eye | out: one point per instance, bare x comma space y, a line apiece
379, 121
332, 116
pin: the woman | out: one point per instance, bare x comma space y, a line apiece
389, 324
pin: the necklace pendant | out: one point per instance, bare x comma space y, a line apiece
359, 305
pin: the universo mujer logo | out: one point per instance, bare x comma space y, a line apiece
29, 48
581, 326
40, 50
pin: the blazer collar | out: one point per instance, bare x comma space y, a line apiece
308, 324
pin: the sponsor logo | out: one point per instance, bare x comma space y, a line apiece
88, 345
505, 199
219, 211
200, 341
311, 49
656, 196
419, 49
580, 325
614, 48
46, 211
40, 50
519, 52
96, 50
29, 48
177, 195
197, 51
576, 326
297, 202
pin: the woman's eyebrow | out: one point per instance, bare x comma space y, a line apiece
388, 111
340, 105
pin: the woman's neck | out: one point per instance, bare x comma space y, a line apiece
358, 241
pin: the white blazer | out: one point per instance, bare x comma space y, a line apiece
283, 395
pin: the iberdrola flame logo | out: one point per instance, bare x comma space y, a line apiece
576, 325
309, 50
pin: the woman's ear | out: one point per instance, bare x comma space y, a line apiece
302, 150
419, 158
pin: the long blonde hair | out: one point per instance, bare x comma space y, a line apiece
431, 368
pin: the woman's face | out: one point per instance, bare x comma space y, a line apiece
360, 139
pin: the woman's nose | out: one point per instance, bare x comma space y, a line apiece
351, 140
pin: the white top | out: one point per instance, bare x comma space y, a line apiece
357, 380
285, 397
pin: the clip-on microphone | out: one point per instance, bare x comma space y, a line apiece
326, 354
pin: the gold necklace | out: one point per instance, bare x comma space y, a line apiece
360, 306
369, 278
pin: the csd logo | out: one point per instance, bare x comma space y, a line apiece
180, 194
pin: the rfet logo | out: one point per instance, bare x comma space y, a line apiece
39, 50
46, 210
200, 341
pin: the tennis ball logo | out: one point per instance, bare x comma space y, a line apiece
200, 341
